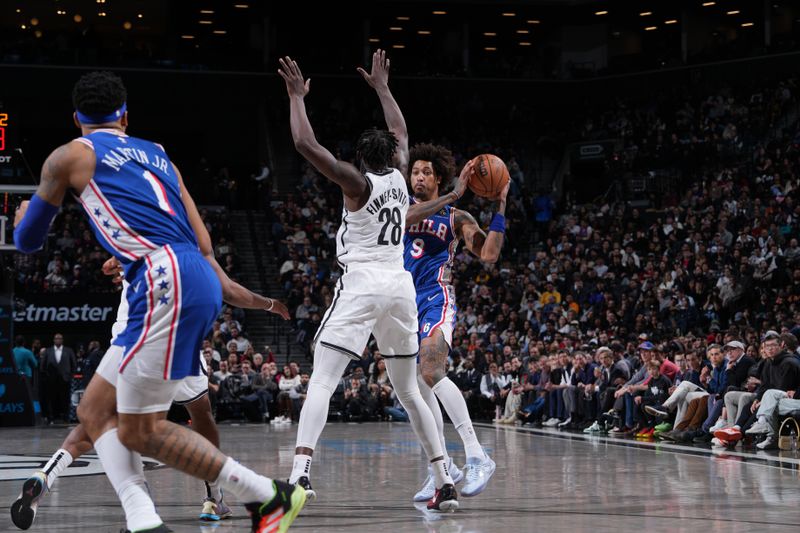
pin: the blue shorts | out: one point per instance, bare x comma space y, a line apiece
173, 298
436, 309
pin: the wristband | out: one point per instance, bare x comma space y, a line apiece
31, 233
458, 196
271, 304
498, 223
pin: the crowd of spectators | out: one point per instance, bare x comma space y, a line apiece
608, 292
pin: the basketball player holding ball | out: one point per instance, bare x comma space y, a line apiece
374, 294
430, 245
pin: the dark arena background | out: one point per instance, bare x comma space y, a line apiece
629, 361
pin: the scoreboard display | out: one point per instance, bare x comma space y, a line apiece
8, 131
15, 184
3, 126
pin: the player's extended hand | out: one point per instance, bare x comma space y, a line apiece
291, 74
379, 77
21, 210
279, 309
504, 193
112, 267
463, 178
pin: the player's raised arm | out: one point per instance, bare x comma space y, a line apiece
348, 177
378, 79
33, 217
421, 210
232, 292
485, 247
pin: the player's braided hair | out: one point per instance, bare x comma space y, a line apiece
444, 164
99, 93
376, 148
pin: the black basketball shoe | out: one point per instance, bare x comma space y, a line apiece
23, 510
445, 499
304, 482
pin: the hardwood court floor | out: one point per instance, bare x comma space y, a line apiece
366, 475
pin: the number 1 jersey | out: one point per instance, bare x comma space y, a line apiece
134, 199
374, 233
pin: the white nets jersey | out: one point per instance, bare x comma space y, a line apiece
374, 233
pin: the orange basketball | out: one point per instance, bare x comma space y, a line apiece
489, 176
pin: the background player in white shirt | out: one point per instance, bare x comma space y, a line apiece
375, 294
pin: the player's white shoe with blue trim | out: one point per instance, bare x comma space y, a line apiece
428, 490
479, 472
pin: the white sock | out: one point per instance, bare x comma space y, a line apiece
57, 463
456, 408
213, 490
126, 474
245, 484
440, 474
300, 468
430, 399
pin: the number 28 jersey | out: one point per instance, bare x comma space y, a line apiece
374, 233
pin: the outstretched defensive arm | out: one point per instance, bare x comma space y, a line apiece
345, 175
378, 79
486, 247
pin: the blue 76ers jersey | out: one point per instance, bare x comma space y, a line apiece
134, 204
429, 250
134, 199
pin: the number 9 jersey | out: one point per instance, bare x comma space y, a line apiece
429, 249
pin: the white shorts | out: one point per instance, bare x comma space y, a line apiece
372, 299
139, 395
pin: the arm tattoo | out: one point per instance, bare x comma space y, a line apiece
467, 227
54, 177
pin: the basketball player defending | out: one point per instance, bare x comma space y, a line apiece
193, 395
375, 294
142, 213
430, 245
